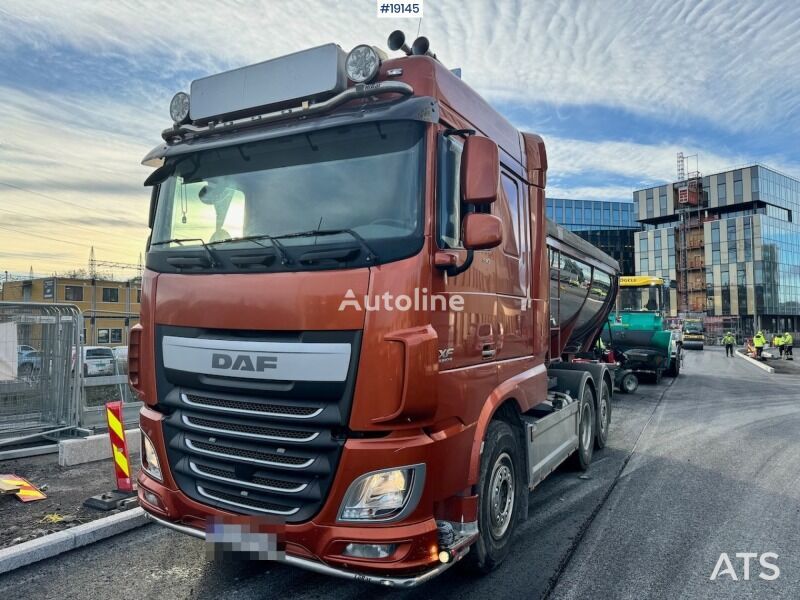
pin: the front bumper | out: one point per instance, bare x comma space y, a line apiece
457, 553
318, 544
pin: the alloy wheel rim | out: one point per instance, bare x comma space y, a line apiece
501, 494
586, 427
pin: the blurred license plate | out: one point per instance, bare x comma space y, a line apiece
258, 538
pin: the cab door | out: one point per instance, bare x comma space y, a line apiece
467, 336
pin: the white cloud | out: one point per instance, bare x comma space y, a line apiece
732, 62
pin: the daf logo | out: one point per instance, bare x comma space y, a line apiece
243, 362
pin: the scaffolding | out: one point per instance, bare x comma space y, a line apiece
689, 239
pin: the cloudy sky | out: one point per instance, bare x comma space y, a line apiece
616, 88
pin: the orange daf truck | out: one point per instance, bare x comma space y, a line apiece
358, 329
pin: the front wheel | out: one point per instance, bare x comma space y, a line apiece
629, 383
500, 499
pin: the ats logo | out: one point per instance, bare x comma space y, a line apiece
243, 362
725, 567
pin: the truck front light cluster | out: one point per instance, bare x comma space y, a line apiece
383, 495
150, 462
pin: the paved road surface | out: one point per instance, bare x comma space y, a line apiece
712, 468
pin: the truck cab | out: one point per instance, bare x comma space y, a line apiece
347, 336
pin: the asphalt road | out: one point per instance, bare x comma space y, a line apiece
705, 465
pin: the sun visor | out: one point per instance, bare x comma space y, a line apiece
311, 75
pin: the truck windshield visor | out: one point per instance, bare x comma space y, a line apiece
367, 178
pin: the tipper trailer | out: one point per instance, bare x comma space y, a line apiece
290, 401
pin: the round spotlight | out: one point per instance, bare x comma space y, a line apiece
362, 64
444, 557
179, 107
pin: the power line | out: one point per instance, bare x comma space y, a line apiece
84, 228
55, 199
53, 239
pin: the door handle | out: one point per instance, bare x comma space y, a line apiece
488, 351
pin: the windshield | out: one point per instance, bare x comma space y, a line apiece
640, 299
693, 326
365, 178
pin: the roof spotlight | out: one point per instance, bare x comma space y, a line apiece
397, 41
422, 46
179, 108
362, 64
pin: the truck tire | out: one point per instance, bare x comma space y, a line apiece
675, 368
629, 383
500, 496
603, 421
582, 457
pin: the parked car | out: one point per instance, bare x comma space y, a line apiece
121, 358
98, 361
29, 361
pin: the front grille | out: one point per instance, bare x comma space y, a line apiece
254, 430
247, 502
250, 446
267, 457
254, 407
255, 481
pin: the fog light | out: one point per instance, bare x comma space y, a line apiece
444, 557
151, 498
150, 463
369, 550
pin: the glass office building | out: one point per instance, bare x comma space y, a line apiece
738, 254
608, 225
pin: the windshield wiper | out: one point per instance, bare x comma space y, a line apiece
180, 241
372, 256
285, 258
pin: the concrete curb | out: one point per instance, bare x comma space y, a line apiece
93, 448
755, 362
56, 543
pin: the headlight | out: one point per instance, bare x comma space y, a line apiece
179, 107
383, 495
362, 64
150, 462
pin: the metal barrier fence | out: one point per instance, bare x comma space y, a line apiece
98, 390
39, 386
49, 382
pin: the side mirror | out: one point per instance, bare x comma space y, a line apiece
480, 170
481, 231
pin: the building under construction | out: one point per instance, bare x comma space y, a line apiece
729, 244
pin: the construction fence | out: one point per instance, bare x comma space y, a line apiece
50, 383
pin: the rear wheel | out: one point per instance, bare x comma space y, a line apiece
500, 498
603, 416
586, 426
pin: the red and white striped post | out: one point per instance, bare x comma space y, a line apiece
119, 447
